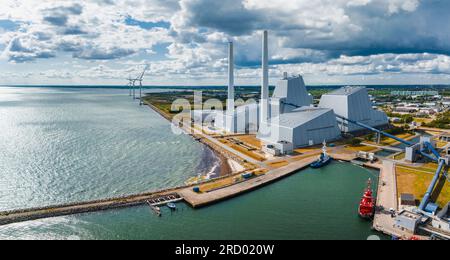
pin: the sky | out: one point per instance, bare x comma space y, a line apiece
184, 42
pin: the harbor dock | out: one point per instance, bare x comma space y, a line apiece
387, 201
197, 200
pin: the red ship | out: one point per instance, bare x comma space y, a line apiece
367, 205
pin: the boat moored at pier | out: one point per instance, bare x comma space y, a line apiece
323, 160
367, 204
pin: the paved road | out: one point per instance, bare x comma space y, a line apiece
388, 148
227, 148
387, 199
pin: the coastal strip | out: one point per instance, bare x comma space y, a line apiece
223, 156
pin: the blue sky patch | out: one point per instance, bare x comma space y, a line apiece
146, 25
9, 25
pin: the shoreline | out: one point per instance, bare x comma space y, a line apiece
225, 169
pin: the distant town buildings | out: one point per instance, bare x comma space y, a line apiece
415, 93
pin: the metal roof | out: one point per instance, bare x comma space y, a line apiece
299, 116
346, 91
407, 197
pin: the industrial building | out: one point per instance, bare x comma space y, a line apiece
293, 121
290, 93
305, 126
442, 220
353, 103
407, 199
288, 119
408, 220
243, 119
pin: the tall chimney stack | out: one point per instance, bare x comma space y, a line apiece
230, 100
265, 79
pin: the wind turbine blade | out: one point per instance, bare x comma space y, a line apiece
143, 72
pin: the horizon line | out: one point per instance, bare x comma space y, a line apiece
222, 86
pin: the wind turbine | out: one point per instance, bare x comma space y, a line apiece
140, 79
131, 84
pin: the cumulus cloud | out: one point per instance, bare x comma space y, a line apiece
375, 64
90, 30
59, 16
322, 37
334, 26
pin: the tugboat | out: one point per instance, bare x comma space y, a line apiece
324, 158
367, 205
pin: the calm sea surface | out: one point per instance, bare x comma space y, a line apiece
68, 145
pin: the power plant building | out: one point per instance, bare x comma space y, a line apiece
290, 94
288, 119
293, 119
243, 119
353, 103
302, 127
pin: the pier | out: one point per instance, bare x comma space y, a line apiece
197, 200
387, 200
153, 199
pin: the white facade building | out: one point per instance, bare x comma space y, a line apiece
305, 126
288, 119
244, 120
290, 94
353, 103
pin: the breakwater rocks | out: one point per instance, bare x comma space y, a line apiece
21, 215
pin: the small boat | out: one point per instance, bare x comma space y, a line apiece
367, 204
323, 160
172, 206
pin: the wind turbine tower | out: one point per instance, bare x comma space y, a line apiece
140, 79
131, 84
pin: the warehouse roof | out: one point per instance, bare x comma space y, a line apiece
346, 91
299, 116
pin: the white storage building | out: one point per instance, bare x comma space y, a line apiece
353, 103
244, 119
302, 127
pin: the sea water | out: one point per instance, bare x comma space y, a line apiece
60, 145
68, 145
